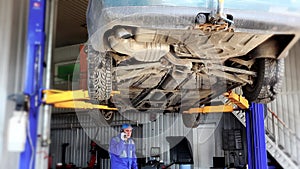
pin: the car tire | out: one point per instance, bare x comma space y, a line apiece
99, 75
268, 82
193, 120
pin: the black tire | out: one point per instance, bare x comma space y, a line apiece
193, 120
99, 75
268, 82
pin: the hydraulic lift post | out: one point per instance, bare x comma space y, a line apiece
256, 142
33, 77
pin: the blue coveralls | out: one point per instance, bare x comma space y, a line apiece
122, 153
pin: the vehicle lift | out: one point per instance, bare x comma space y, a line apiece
33, 89
257, 154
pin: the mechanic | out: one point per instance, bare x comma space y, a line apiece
122, 150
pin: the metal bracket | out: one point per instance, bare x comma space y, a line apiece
20, 100
216, 20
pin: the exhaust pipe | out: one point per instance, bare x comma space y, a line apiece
141, 51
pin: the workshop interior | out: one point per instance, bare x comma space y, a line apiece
203, 84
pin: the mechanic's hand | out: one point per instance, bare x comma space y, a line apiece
124, 136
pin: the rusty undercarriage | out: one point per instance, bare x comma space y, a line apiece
170, 63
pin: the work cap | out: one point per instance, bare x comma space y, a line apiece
126, 125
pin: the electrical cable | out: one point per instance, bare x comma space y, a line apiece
31, 145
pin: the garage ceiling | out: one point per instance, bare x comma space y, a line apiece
71, 22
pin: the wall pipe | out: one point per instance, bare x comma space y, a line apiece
45, 117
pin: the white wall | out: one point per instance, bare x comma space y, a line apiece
285, 129
13, 24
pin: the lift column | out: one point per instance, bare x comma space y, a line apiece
256, 142
34, 77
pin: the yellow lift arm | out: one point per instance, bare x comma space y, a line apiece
78, 99
73, 99
234, 99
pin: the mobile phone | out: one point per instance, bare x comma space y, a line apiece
123, 135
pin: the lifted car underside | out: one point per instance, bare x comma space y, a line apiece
172, 63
